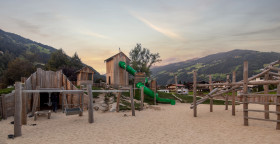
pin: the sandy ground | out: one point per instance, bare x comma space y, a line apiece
170, 124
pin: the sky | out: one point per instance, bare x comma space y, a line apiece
176, 29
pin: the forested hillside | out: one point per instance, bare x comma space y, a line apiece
219, 65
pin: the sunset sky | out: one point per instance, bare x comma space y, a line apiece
177, 29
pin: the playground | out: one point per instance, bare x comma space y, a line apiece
88, 115
163, 124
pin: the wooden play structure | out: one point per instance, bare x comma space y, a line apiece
85, 75
271, 74
114, 74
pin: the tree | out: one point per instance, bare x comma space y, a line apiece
142, 59
16, 69
58, 60
75, 62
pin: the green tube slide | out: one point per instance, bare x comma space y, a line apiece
147, 91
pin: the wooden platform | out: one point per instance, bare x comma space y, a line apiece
38, 113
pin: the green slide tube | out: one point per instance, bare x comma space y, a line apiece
147, 91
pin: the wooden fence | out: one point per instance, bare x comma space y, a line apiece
7, 106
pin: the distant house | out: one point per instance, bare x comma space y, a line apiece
163, 90
172, 87
114, 74
85, 75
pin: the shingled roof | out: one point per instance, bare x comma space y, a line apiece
110, 58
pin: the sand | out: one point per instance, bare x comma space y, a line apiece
170, 124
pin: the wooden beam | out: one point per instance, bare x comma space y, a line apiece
245, 91
90, 104
194, 94
18, 109
211, 88
233, 94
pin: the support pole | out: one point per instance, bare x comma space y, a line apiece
226, 101
176, 84
90, 104
155, 92
211, 88
142, 98
194, 94
278, 106
18, 109
245, 91
266, 100
233, 94
132, 101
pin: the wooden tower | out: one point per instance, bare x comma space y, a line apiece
114, 74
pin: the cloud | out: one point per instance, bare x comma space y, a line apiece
262, 31
32, 28
163, 31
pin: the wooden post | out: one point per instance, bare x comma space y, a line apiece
90, 104
80, 105
118, 102
194, 94
155, 92
134, 86
24, 111
266, 100
142, 98
132, 101
176, 84
278, 106
233, 94
226, 102
62, 100
211, 88
245, 91
18, 109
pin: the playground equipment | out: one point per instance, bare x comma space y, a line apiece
140, 85
270, 78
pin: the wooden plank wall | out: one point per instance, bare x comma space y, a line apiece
43, 79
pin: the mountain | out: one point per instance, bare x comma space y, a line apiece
14, 46
219, 65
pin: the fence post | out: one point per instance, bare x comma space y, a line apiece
90, 104
233, 94
211, 88
278, 106
245, 91
18, 109
194, 94
266, 100
132, 101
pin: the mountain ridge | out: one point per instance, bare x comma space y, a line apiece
219, 65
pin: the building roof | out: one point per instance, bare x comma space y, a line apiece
85, 67
110, 58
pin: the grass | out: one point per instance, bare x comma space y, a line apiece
94, 94
185, 98
6, 90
